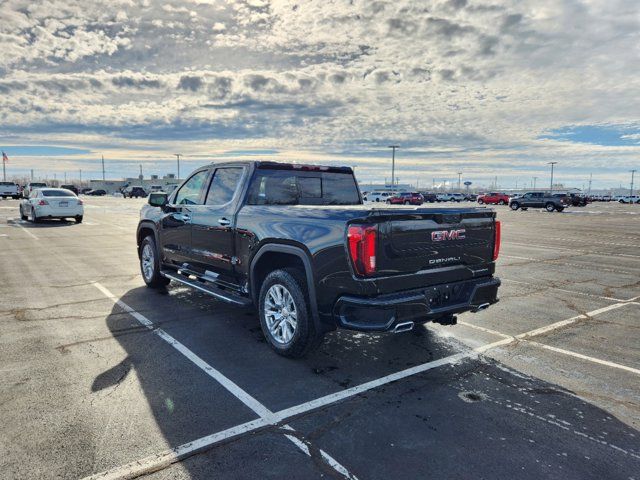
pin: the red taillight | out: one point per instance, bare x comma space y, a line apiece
79, 202
496, 244
43, 202
362, 247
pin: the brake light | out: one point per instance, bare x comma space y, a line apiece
43, 202
79, 202
362, 241
496, 244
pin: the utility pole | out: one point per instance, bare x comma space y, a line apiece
32, 174
590, 180
178, 155
65, 177
535, 179
495, 183
631, 189
551, 187
459, 180
393, 163
141, 177
103, 168
81, 177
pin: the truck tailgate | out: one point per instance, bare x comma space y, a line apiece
422, 240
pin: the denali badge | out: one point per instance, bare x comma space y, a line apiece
441, 235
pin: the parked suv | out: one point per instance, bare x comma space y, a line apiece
494, 198
539, 200
630, 199
136, 191
297, 243
378, 196
406, 198
9, 189
450, 197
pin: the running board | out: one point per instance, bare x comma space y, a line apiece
208, 289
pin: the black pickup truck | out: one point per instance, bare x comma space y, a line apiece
297, 243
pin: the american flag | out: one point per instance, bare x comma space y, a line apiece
4, 157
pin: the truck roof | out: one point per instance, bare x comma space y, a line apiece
270, 164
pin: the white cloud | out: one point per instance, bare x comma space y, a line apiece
474, 81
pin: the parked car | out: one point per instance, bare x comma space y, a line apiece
297, 243
26, 191
470, 197
156, 188
629, 199
51, 203
406, 198
450, 197
134, 192
494, 198
97, 193
539, 200
9, 189
573, 199
429, 197
70, 187
85, 190
378, 196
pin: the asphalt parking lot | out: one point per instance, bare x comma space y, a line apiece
102, 376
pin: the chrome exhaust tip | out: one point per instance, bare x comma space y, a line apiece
482, 306
403, 327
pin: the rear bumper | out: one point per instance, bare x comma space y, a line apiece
384, 312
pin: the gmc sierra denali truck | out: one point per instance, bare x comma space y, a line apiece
297, 243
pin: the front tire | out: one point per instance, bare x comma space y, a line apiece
514, 206
502, 202
150, 264
285, 316
480, 201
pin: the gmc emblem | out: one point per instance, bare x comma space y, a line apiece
441, 235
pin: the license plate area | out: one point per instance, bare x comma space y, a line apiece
63, 204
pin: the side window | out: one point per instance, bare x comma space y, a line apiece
224, 185
191, 192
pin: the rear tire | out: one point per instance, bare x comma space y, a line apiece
549, 207
480, 201
282, 291
559, 209
514, 206
150, 264
34, 218
502, 202
78, 219
22, 215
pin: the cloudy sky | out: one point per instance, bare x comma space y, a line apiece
486, 87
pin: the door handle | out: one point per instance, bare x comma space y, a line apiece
224, 221
186, 217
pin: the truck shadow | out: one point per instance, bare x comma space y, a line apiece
230, 340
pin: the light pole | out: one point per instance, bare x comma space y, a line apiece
103, 168
551, 187
535, 179
178, 155
393, 163
459, 180
590, 180
631, 189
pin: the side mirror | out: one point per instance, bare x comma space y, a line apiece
158, 199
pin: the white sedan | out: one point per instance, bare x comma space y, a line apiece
51, 203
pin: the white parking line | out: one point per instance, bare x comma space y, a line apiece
550, 247
565, 290
163, 459
585, 357
25, 230
262, 411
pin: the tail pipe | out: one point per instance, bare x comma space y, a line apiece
403, 327
482, 306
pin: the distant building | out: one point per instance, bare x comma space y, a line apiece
167, 183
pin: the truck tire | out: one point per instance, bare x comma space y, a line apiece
285, 316
502, 202
549, 207
480, 201
514, 206
150, 264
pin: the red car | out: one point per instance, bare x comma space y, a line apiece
493, 198
406, 198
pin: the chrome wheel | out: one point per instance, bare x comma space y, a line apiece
280, 314
148, 262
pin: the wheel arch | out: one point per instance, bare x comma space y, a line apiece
273, 256
146, 228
